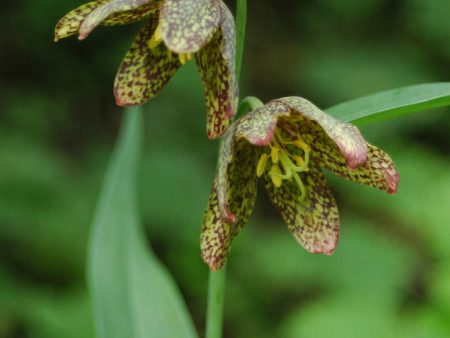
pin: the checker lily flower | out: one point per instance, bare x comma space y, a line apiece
287, 142
175, 32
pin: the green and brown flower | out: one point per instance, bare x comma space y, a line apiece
287, 142
175, 31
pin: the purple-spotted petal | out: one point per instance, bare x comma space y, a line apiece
71, 22
215, 238
236, 175
149, 9
217, 234
314, 221
346, 136
187, 25
144, 71
99, 14
216, 64
259, 125
378, 171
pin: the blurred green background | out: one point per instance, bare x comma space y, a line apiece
390, 276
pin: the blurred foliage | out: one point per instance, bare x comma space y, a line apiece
390, 276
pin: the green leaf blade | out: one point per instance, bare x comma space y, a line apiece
392, 103
133, 294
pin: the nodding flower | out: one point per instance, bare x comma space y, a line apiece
287, 142
175, 32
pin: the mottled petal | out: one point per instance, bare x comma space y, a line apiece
71, 22
216, 64
215, 238
236, 175
99, 14
150, 9
217, 235
187, 25
144, 71
232, 198
346, 136
378, 171
314, 221
259, 125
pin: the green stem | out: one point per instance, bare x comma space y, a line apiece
216, 284
241, 23
216, 298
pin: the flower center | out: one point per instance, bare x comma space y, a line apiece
285, 161
156, 40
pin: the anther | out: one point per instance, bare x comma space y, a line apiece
302, 145
275, 173
274, 154
261, 167
299, 160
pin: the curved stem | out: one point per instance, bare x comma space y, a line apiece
217, 279
248, 104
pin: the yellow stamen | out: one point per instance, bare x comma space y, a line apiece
275, 174
261, 167
185, 57
287, 172
302, 145
285, 165
306, 160
156, 38
306, 149
301, 186
274, 152
299, 160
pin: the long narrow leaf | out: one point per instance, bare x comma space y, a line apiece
391, 103
133, 295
